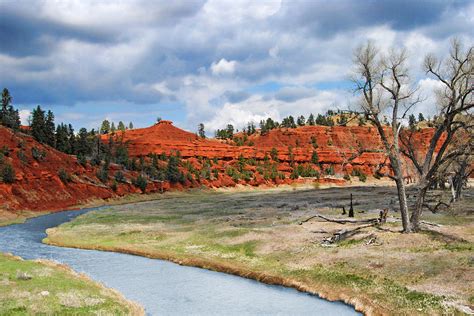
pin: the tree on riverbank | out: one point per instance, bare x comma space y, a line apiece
384, 86
453, 138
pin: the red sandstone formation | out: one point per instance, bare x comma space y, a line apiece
344, 148
39, 187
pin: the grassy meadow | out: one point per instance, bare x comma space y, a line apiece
47, 288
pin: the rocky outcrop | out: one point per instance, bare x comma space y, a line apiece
206, 162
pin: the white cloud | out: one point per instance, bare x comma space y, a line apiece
259, 107
24, 116
223, 67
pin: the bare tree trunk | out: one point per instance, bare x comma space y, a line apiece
418, 210
453, 189
402, 199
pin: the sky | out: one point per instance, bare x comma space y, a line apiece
215, 62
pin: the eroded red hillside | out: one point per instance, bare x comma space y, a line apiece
342, 148
37, 184
280, 156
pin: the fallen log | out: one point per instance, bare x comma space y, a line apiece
341, 220
343, 234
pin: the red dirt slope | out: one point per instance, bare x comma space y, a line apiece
37, 184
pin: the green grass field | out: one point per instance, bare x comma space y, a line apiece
46, 288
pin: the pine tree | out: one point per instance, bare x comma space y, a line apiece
130, 125
421, 118
38, 125
301, 121
112, 128
83, 145
311, 121
230, 131
72, 139
9, 117
412, 121
121, 126
172, 171
62, 138
263, 128
50, 129
270, 124
105, 127
201, 131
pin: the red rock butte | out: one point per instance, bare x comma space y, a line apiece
343, 147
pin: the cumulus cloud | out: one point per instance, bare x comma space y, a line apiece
205, 57
223, 67
259, 107
24, 116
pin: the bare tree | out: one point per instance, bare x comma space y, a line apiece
455, 103
385, 87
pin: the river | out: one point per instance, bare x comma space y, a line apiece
162, 287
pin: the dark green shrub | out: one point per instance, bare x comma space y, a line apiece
103, 175
274, 154
38, 154
96, 161
235, 177
22, 156
172, 171
330, 171
347, 177
140, 182
119, 177
64, 176
294, 174
315, 157
81, 159
362, 177
114, 186
7, 174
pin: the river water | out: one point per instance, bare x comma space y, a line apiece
162, 287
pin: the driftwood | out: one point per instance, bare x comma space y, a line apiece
343, 234
381, 219
346, 233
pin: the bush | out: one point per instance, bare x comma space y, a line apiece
315, 158
21, 155
274, 154
347, 177
359, 173
330, 171
81, 159
294, 174
114, 186
140, 182
7, 173
64, 176
103, 175
38, 154
119, 177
